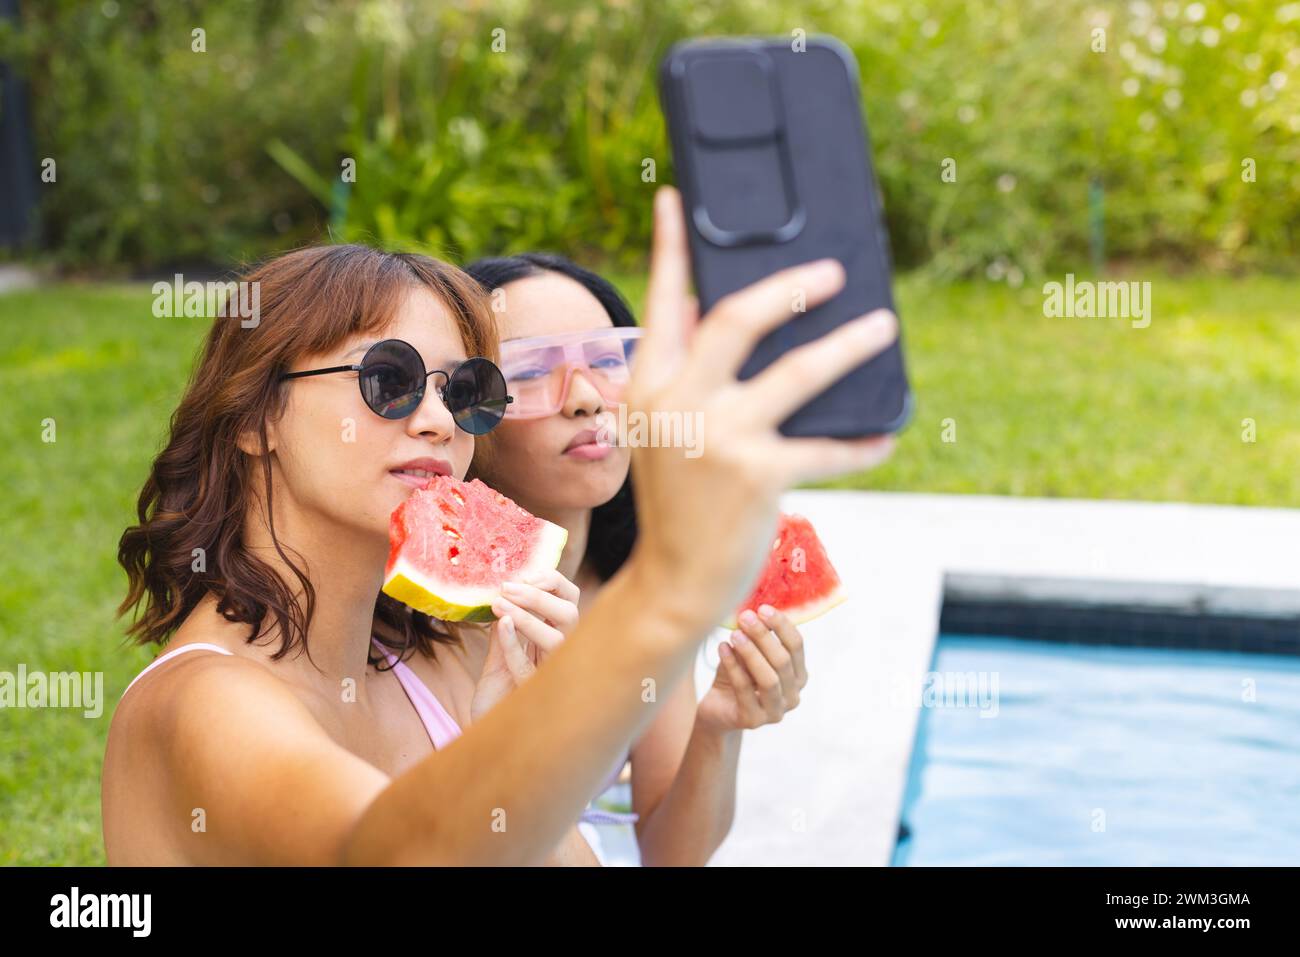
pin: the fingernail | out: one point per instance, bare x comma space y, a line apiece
875, 321
511, 588
826, 271
747, 617
739, 638
767, 611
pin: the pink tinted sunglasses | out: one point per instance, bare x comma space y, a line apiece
539, 369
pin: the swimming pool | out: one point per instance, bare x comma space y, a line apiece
1046, 753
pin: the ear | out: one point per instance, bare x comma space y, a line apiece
250, 442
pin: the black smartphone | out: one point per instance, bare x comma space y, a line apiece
774, 166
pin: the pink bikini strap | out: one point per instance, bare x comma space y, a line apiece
437, 720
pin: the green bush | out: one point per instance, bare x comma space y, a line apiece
167, 154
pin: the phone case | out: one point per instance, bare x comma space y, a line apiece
774, 166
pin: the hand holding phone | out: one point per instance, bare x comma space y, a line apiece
710, 518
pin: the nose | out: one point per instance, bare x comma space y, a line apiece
583, 398
431, 419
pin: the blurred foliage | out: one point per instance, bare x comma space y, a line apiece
463, 148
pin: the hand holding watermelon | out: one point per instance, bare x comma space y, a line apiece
543, 609
461, 551
760, 674
506, 667
526, 631
762, 670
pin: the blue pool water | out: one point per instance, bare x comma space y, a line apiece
1095, 755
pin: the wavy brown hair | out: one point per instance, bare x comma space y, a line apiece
201, 484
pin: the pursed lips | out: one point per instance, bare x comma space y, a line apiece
588, 445
585, 437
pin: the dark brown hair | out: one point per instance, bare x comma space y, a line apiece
201, 484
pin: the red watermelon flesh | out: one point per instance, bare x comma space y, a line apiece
452, 545
798, 578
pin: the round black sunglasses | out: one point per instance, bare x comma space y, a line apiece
392, 380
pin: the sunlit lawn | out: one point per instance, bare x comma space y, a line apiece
1096, 408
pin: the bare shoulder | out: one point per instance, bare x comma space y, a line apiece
209, 765
198, 681
187, 685
201, 686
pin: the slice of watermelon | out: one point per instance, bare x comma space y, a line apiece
452, 544
798, 578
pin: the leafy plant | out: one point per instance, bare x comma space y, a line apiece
489, 128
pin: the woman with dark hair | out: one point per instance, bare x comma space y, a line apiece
269, 733
613, 518
568, 341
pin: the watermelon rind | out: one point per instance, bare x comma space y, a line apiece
447, 602
802, 613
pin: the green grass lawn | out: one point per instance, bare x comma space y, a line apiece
1095, 408
1047, 407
